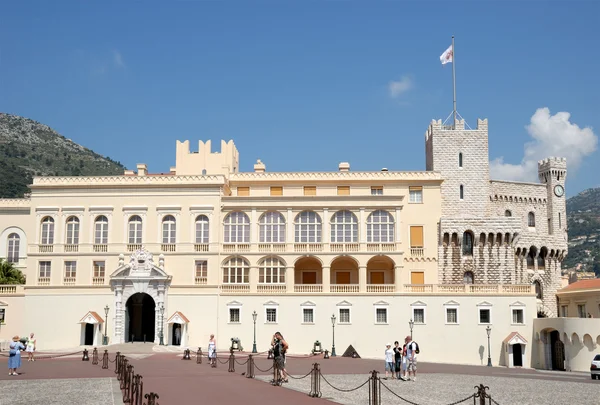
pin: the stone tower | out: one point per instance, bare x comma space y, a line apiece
461, 156
553, 172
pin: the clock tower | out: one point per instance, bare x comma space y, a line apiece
553, 172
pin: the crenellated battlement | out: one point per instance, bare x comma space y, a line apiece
559, 163
205, 161
437, 125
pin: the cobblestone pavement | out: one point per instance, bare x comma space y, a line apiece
444, 389
89, 391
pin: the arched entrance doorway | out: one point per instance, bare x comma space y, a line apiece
557, 348
140, 318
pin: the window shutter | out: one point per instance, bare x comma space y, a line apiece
310, 190
416, 236
277, 191
343, 190
243, 191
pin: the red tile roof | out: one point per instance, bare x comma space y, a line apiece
512, 335
582, 285
181, 315
95, 315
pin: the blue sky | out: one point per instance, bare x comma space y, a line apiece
305, 85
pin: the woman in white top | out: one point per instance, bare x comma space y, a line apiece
30, 348
212, 351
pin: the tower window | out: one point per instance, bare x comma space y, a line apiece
531, 220
559, 221
460, 160
462, 192
467, 244
507, 213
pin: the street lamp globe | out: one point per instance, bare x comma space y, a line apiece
254, 316
106, 309
488, 330
333, 319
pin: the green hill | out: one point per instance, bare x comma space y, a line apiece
29, 148
583, 216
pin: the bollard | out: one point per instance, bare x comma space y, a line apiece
481, 394
122, 372
270, 355
85, 355
117, 360
95, 356
326, 355
105, 360
128, 379
250, 367
214, 361
199, 356
276, 375
151, 397
374, 389
315, 382
186, 354
231, 368
136, 390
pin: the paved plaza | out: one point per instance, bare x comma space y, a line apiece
177, 381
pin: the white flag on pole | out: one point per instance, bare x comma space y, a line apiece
447, 56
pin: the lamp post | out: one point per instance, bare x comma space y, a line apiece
105, 337
162, 316
411, 324
333, 341
489, 332
254, 316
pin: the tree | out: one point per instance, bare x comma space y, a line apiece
9, 274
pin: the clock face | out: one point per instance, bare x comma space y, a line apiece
559, 190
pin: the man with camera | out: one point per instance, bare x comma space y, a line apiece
279, 347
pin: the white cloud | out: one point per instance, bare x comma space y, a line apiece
553, 135
400, 87
118, 59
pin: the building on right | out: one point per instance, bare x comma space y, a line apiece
493, 233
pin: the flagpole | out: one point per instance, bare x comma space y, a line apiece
454, 80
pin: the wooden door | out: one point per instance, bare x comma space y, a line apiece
417, 277
309, 277
377, 277
342, 277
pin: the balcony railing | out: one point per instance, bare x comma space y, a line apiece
271, 247
71, 248
98, 281
200, 281
344, 247
381, 288
167, 247
43, 280
344, 288
45, 248
308, 247
8, 289
308, 288
417, 252
69, 281
201, 247
236, 247
100, 248
235, 288
132, 247
381, 247
493, 289
271, 288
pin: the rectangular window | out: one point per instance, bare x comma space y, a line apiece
344, 315
416, 236
234, 315
70, 269
381, 315
99, 269
2, 315
308, 315
419, 315
559, 221
243, 191
45, 269
377, 190
485, 316
271, 315
343, 190
277, 191
201, 268
417, 277
581, 311
451, 315
564, 311
517, 317
415, 195
310, 190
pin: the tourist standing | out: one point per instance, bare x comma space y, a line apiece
14, 359
212, 351
397, 359
389, 360
30, 347
412, 349
280, 347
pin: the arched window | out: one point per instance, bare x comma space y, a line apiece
467, 244
462, 192
235, 271
507, 213
380, 227
271, 227
468, 277
272, 271
169, 230
237, 228
47, 231
14, 243
531, 219
531, 257
460, 160
541, 260
101, 230
135, 230
202, 229
344, 227
538, 290
308, 227
72, 231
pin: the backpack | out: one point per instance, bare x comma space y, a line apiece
417, 351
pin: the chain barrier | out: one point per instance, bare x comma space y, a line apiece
250, 367
482, 394
299, 378
49, 356
341, 389
263, 371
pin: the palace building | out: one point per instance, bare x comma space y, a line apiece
208, 249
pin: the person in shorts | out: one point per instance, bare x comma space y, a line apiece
411, 358
389, 361
280, 347
397, 359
